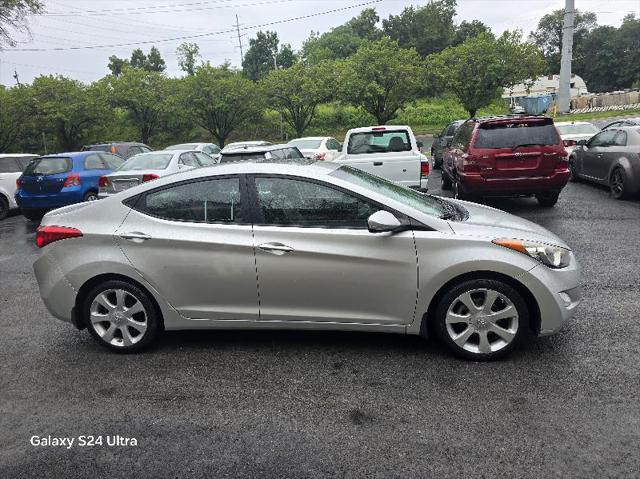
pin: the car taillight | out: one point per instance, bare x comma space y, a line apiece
19, 183
569, 142
424, 169
72, 180
319, 156
103, 182
48, 234
469, 164
149, 177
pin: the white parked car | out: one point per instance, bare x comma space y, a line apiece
391, 152
150, 166
572, 132
210, 149
244, 144
319, 148
11, 167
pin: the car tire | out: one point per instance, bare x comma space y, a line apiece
548, 200
573, 175
90, 196
459, 192
446, 181
470, 332
4, 208
618, 184
33, 215
107, 313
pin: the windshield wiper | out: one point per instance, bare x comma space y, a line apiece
449, 211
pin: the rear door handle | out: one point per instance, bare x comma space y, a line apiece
276, 248
377, 163
135, 236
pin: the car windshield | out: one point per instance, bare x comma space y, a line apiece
379, 142
147, 161
305, 144
511, 135
427, 204
582, 129
227, 158
48, 166
185, 146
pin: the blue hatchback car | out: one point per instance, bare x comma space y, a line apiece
53, 181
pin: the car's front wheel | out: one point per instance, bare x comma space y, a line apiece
618, 184
573, 174
482, 319
121, 316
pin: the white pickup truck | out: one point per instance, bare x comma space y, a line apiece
390, 152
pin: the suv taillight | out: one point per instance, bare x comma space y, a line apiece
72, 180
103, 182
19, 183
48, 234
149, 177
469, 164
424, 169
319, 156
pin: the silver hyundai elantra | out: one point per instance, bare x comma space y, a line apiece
302, 246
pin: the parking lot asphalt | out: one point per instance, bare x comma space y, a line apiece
308, 404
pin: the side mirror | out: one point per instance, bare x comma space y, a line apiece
420, 144
582, 143
383, 222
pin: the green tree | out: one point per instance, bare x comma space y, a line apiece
548, 35
296, 92
428, 29
264, 54
116, 65
381, 78
188, 54
11, 117
478, 70
467, 30
138, 59
143, 95
342, 41
221, 100
13, 15
154, 62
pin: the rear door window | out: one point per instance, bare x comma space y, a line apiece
94, 162
603, 139
511, 135
620, 139
462, 136
49, 166
371, 142
113, 162
9, 165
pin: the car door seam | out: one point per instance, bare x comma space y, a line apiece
255, 262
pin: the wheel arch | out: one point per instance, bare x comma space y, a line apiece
83, 291
532, 305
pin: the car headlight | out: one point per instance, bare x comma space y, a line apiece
549, 255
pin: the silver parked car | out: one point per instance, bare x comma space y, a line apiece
150, 166
210, 149
302, 246
611, 158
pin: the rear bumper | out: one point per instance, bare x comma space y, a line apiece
422, 187
56, 291
49, 201
526, 185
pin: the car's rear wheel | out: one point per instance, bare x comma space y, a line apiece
482, 319
4, 208
618, 184
459, 192
121, 316
548, 199
33, 215
90, 196
446, 181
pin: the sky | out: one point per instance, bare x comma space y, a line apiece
90, 23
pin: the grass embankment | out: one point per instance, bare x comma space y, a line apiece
598, 115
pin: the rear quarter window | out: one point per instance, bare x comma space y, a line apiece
9, 165
511, 135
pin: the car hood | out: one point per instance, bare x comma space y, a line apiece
493, 223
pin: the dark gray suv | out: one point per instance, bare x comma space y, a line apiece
442, 141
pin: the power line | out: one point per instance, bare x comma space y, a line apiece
132, 9
190, 37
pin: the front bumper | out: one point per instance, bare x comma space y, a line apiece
557, 293
526, 185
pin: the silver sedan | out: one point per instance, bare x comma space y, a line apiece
302, 246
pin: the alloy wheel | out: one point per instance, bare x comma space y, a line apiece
482, 321
118, 317
617, 183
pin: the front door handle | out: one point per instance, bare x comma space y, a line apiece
135, 236
377, 163
276, 248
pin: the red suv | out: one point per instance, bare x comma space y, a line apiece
507, 156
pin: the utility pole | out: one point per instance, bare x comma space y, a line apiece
275, 66
564, 94
15, 75
237, 25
